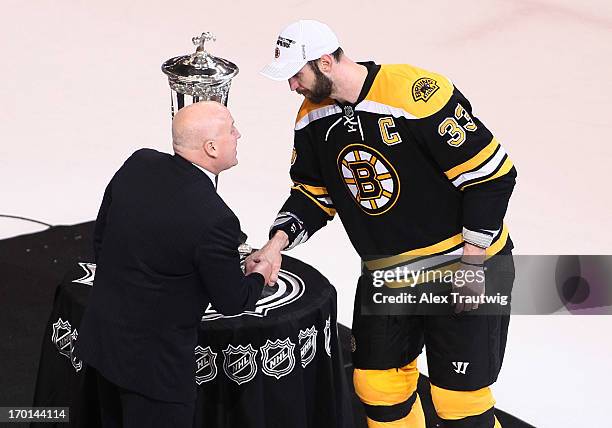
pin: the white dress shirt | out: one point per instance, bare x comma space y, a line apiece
210, 175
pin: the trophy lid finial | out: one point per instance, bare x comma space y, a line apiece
203, 38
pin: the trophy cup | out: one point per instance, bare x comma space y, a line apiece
199, 76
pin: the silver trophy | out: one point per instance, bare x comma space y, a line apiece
199, 76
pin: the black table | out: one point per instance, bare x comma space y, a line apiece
277, 366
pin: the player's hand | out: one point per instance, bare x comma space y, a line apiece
272, 253
469, 282
259, 265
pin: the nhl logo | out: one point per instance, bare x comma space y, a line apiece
276, 53
327, 332
424, 88
277, 357
63, 337
239, 363
288, 289
348, 112
206, 369
89, 276
308, 345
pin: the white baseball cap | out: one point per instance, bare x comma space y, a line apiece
298, 43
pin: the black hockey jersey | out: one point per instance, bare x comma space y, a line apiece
408, 168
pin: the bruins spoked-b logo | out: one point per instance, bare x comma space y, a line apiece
369, 177
206, 368
239, 363
424, 88
308, 345
277, 358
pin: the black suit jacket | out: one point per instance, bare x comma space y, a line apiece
165, 245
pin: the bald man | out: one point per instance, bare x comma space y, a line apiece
165, 245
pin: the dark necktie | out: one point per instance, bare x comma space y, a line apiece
216, 181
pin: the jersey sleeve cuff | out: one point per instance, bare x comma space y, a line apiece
292, 226
481, 238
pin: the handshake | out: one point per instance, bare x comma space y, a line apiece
267, 260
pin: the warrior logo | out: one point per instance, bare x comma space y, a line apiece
460, 366
424, 88
327, 332
308, 345
369, 177
206, 369
288, 289
90, 273
277, 357
63, 337
239, 363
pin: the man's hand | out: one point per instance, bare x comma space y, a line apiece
271, 252
259, 265
469, 281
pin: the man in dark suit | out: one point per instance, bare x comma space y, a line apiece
165, 246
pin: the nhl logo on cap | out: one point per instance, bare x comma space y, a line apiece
276, 52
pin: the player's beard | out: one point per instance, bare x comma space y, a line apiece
321, 89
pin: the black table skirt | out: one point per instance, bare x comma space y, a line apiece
278, 366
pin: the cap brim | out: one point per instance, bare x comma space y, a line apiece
277, 70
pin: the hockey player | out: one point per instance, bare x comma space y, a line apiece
396, 152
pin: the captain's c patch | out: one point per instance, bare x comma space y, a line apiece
369, 177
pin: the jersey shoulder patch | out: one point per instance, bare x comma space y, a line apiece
418, 93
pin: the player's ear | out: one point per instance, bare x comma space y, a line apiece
325, 63
210, 148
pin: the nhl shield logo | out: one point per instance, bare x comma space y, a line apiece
206, 369
424, 88
89, 275
63, 337
239, 363
327, 332
308, 345
277, 357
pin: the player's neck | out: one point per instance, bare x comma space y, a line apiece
348, 85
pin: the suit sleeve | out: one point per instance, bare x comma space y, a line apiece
218, 262
474, 162
100, 226
309, 206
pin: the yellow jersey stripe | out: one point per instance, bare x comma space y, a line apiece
440, 247
472, 163
497, 246
505, 168
315, 190
329, 211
